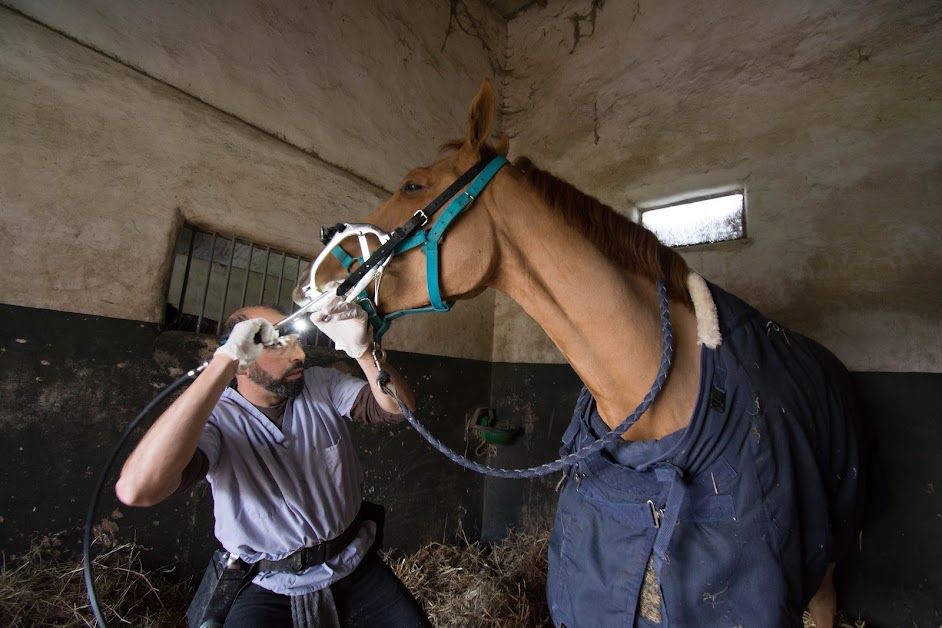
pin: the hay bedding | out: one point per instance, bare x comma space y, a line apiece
499, 586
465, 584
479, 586
46, 587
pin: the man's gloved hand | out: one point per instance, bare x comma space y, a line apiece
346, 324
241, 344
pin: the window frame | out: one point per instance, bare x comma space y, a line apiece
689, 200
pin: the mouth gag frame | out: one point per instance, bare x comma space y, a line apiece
401, 239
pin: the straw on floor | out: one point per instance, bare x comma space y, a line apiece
466, 584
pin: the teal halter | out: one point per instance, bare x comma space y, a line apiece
429, 239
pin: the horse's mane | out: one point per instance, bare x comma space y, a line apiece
618, 238
626, 243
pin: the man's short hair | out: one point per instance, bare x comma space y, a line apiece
239, 315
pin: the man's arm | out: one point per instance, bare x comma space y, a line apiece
400, 386
347, 325
154, 469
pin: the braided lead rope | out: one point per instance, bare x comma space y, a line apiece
570, 459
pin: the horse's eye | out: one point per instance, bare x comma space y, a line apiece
410, 187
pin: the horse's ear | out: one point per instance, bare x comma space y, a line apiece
480, 118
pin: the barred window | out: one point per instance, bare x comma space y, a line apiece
215, 274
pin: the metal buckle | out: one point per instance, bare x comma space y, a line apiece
422, 213
656, 514
379, 356
308, 557
295, 562
316, 555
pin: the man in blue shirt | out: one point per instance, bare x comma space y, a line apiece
286, 482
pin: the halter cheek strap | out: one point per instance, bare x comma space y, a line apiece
429, 240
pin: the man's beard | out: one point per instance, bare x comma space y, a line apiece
281, 386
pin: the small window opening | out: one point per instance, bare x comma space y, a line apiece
215, 274
702, 221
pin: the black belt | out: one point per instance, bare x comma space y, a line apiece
315, 555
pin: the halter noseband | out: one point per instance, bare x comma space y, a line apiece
399, 240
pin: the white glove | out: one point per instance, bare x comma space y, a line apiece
241, 344
346, 324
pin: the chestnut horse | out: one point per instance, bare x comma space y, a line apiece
764, 520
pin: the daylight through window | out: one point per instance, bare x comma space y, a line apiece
698, 222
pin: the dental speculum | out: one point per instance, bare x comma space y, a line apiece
316, 298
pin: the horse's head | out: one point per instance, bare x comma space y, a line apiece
467, 254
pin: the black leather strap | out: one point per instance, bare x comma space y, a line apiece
411, 226
307, 557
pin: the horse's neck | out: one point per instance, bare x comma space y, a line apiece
605, 320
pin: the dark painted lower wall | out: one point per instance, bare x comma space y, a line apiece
537, 399
895, 577
70, 384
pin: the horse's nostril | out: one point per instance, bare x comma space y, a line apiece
298, 297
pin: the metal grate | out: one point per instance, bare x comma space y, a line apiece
215, 274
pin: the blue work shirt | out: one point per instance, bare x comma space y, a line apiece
278, 490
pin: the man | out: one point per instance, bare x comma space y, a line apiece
287, 486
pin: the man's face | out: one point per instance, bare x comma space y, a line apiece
279, 369
288, 384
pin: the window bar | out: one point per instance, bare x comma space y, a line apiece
248, 273
295, 306
261, 294
281, 278
209, 274
225, 291
186, 278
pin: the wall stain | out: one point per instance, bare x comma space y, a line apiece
589, 18
461, 18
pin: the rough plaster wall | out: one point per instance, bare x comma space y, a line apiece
98, 163
827, 113
373, 87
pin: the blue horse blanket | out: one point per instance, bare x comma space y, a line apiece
739, 513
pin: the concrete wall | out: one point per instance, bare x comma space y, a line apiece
828, 113
372, 87
260, 120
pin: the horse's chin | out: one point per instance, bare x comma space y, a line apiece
399, 302
396, 298
398, 305
468, 295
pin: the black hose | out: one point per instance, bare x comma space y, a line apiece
100, 484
